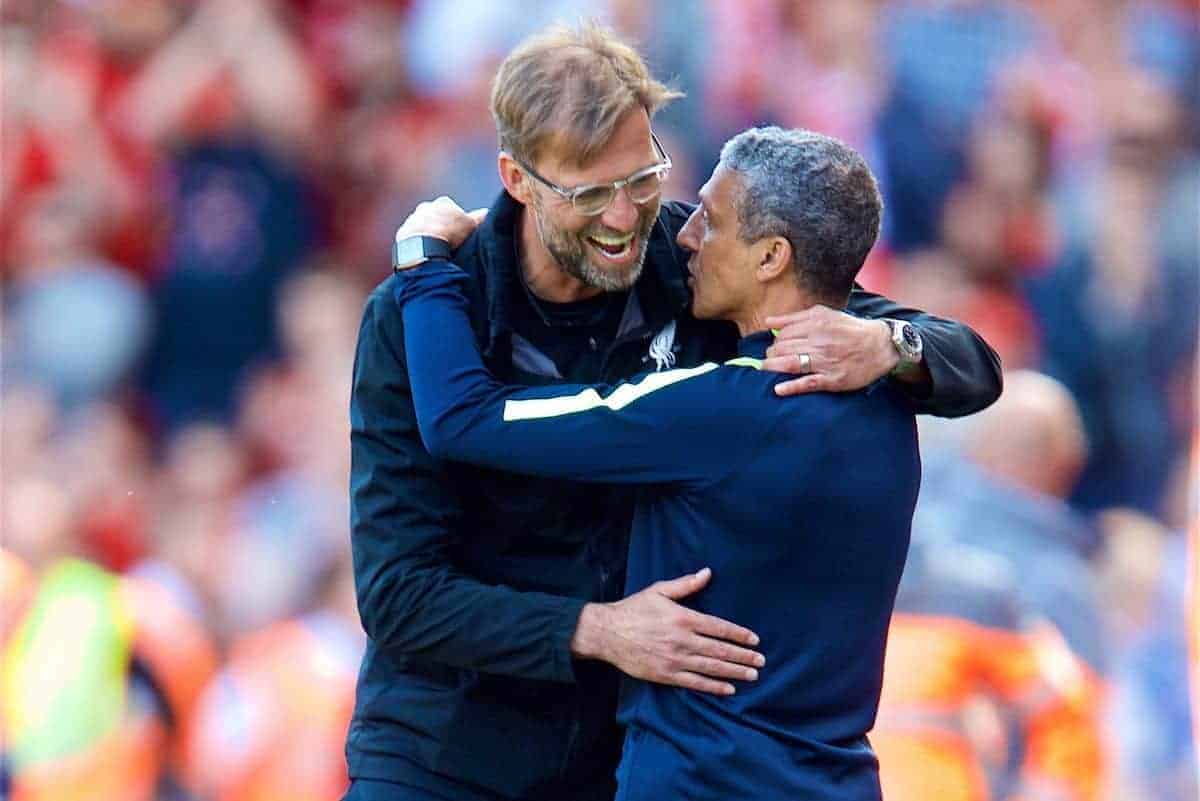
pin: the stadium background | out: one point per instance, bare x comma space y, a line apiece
196, 196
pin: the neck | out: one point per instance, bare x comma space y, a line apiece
541, 271
775, 301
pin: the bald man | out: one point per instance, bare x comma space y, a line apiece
1004, 492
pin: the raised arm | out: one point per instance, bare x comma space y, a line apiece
664, 427
958, 374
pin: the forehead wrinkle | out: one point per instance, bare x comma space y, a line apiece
562, 165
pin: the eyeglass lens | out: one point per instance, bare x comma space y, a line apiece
597, 198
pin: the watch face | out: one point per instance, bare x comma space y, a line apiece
912, 340
407, 251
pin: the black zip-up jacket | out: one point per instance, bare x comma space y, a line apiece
470, 581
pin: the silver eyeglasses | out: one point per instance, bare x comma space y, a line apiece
592, 199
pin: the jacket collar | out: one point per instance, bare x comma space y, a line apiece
755, 345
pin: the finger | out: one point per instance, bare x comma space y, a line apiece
790, 347
817, 382
726, 652
477, 215
446, 200
716, 669
789, 364
721, 629
684, 585
782, 321
694, 681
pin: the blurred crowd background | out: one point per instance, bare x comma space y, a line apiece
196, 196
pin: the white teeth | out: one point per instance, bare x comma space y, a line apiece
618, 255
612, 240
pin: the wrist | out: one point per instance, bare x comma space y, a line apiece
889, 356
409, 251
909, 349
588, 640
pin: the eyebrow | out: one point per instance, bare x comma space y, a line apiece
655, 145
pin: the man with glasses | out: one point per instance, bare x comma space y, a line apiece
493, 602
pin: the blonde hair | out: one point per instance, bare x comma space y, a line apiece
570, 86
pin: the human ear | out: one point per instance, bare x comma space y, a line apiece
514, 179
776, 258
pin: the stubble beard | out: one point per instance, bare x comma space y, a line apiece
570, 253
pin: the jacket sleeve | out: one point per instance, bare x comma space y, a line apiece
405, 525
965, 370
665, 427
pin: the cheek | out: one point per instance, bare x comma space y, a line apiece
562, 230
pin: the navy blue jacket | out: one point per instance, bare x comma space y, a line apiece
470, 580
769, 493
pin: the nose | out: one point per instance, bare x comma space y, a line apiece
622, 213
687, 236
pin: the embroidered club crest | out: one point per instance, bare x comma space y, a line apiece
660, 348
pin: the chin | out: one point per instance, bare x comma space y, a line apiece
607, 278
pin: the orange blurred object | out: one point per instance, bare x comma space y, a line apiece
100, 677
949, 685
274, 722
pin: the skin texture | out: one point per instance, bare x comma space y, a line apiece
732, 279
560, 261
722, 278
845, 352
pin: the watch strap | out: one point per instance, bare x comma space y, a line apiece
412, 251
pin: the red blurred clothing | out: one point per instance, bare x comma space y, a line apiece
95, 151
273, 723
941, 672
101, 674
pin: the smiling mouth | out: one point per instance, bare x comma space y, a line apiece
613, 248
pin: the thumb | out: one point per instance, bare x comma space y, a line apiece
477, 215
685, 585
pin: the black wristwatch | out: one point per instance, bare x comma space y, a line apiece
413, 251
907, 342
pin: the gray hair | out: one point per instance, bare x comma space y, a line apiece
816, 192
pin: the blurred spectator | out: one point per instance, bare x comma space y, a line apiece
942, 58
272, 724
204, 468
1145, 566
76, 323
971, 679
1124, 291
241, 225
996, 229
1004, 494
105, 459
287, 523
67, 72
240, 209
833, 44
101, 671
